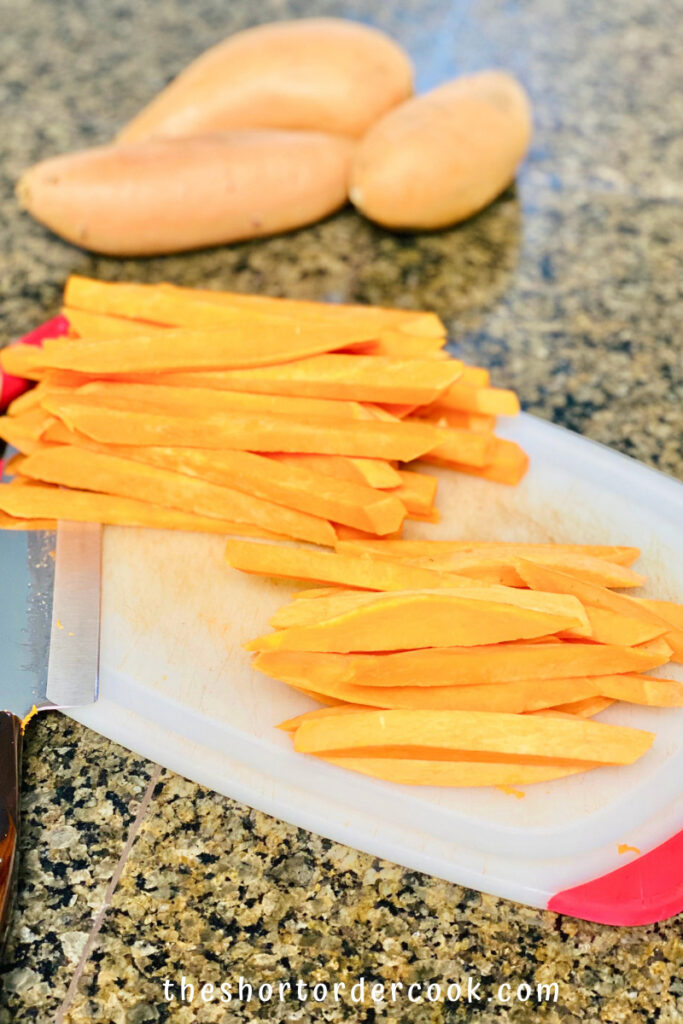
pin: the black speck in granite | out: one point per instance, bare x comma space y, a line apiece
568, 287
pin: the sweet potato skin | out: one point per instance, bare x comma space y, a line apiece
441, 157
311, 74
170, 195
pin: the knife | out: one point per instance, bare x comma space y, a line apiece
49, 638
49, 635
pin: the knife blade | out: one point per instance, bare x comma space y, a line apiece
49, 644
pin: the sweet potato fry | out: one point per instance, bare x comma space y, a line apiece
458, 733
30, 502
456, 418
400, 345
198, 402
468, 397
409, 772
76, 467
357, 378
442, 549
293, 486
230, 347
373, 472
495, 663
149, 302
608, 627
324, 567
464, 447
105, 327
8, 522
417, 491
242, 431
418, 620
585, 708
308, 613
483, 560
670, 611
24, 431
507, 463
514, 698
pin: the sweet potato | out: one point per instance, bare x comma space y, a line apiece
231, 346
585, 708
169, 195
243, 431
507, 463
466, 666
173, 305
373, 472
347, 377
516, 738
441, 157
324, 567
481, 559
202, 401
463, 396
75, 467
296, 487
411, 772
410, 621
32, 501
306, 613
320, 74
514, 698
552, 553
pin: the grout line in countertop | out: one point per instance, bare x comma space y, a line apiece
106, 901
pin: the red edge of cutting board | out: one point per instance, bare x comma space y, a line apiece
11, 387
647, 890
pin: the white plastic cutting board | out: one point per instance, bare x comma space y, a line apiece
177, 687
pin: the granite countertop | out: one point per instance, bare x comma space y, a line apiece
568, 288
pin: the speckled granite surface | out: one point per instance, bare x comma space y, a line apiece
569, 289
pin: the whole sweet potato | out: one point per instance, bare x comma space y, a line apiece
167, 195
314, 74
441, 157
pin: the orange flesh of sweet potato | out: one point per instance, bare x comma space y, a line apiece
476, 732
178, 401
410, 621
32, 500
585, 708
76, 467
230, 347
470, 561
242, 431
311, 613
324, 567
411, 772
295, 487
467, 397
442, 549
147, 302
373, 472
357, 378
465, 666
514, 698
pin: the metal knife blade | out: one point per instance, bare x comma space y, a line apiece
26, 586
73, 665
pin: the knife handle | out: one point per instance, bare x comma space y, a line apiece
11, 387
11, 736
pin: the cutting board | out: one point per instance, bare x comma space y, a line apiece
177, 687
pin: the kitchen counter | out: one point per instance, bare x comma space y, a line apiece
568, 289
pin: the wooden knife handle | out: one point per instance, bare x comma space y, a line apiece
11, 736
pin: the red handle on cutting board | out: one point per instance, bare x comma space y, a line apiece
11, 387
